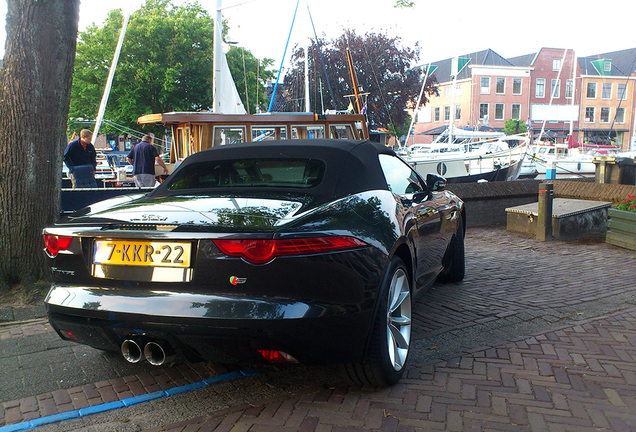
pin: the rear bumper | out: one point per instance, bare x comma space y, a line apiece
211, 327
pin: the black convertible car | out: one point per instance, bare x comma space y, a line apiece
304, 251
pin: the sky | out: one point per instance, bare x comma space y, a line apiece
442, 29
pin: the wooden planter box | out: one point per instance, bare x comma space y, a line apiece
621, 228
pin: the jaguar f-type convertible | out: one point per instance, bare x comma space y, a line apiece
305, 251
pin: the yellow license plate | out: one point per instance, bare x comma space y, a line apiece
142, 253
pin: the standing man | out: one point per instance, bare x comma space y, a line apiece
142, 157
81, 159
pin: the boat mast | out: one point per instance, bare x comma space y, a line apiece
455, 72
307, 107
111, 74
419, 99
573, 91
217, 52
354, 82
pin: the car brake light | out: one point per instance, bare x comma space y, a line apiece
277, 356
54, 244
262, 251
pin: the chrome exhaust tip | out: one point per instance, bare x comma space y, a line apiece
158, 354
131, 351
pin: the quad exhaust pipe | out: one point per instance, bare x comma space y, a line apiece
156, 352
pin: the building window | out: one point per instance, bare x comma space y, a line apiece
458, 90
447, 91
447, 113
516, 111
620, 115
516, 86
607, 91
589, 114
555, 89
458, 112
436, 114
621, 94
485, 85
501, 86
556, 64
591, 90
540, 90
483, 111
605, 115
499, 111
607, 65
569, 89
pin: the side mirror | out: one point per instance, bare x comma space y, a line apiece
435, 182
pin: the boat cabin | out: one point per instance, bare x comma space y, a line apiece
196, 131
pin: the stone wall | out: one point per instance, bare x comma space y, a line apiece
486, 203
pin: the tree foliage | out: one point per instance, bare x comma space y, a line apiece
166, 64
382, 68
512, 126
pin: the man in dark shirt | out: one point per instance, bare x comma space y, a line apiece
81, 159
142, 157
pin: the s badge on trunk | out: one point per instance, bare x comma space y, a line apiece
237, 280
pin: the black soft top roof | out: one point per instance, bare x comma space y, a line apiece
352, 166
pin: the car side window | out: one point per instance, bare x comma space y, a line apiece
400, 178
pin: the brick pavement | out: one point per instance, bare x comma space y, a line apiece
580, 376
576, 378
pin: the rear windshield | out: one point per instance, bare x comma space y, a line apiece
284, 173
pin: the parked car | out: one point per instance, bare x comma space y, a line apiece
304, 251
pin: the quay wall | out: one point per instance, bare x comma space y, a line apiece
486, 203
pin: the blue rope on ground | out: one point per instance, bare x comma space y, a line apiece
82, 412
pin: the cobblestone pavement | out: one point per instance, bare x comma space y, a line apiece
538, 337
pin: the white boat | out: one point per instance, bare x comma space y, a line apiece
468, 160
569, 159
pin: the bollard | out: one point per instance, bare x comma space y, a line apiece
550, 170
544, 216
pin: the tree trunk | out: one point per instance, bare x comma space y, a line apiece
34, 100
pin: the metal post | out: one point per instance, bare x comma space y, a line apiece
550, 170
544, 216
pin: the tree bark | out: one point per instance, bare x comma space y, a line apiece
34, 100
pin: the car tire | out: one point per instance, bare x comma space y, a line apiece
455, 269
390, 339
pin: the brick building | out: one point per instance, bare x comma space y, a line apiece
553, 91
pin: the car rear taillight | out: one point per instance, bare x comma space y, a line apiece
277, 356
262, 251
54, 244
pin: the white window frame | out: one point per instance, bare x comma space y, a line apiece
487, 110
622, 86
497, 81
482, 88
446, 113
556, 64
518, 107
591, 118
458, 112
555, 83
607, 95
569, 89
502, 111
514, 84
620, 115
540, 86
436, 114
605, 111
590, 86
